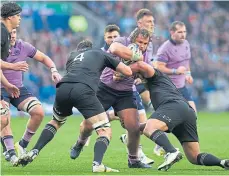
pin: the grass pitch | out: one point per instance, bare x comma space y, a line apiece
54, 158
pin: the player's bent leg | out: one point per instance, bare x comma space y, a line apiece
142, 119
32, 106
141, 154
86, 130
130, 121
46, 136
7, 138
87, 138
192, 152
154, 130
102, 127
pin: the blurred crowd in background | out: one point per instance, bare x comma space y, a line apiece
48, 29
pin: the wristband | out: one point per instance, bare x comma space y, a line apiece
174, 71
188, 73
53, 69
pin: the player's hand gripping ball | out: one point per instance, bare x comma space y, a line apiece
136, 51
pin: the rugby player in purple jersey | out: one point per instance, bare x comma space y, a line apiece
110, 33
27, 102
119, 95
173, 58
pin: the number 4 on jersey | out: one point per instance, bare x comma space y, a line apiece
79, 57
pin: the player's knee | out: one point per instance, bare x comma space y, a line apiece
149, 129
193, 159
4, 121
37, 113
147, 132
86, 127
192, 155
4, 109
134, 130
103, 130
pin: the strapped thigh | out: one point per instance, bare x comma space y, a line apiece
30, 105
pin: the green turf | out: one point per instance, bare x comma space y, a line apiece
54, 158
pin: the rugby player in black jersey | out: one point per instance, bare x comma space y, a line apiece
172, 114
78, 89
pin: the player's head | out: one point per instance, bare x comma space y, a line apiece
145, 20
178, 31
13, 37
141, 37
84, 45
110, 33
11, 14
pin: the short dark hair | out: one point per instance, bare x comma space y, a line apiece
10, 9
173, 26
111, 28
84, 44
143, 12
136, 32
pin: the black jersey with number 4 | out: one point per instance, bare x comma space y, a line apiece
5, 42
86, 67
162, 90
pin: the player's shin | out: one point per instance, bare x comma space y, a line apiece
47, 134
85, 132
102, 142
161, 139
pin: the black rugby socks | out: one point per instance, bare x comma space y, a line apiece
160, 138
100, 148
46, 136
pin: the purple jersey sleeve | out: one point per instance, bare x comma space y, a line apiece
162, 55
123, 40
29, 49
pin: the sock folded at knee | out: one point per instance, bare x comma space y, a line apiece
100, 148
160, 138
208, 160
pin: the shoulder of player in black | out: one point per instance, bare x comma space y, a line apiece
4, 30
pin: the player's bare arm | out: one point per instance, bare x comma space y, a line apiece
10, 88
141, 67
122, 68
162, 67
41, 57
18, 66
124, 52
